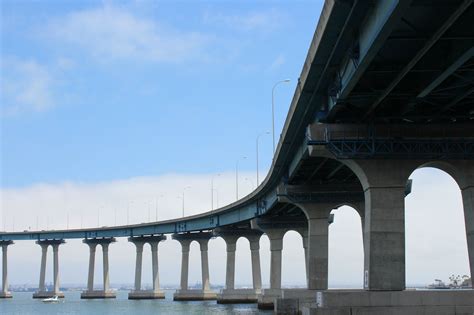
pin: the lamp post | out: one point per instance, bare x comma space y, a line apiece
237, 177
273, 109
128, 211
212, 190
258, 137
156, 208
182, 198
217, 197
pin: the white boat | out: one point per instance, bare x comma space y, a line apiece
51, 299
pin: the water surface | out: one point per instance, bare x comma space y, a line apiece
23, 304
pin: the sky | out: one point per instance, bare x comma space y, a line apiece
115, 105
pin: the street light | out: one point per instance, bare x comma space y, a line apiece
261, 134
156, 209
182, 197
237, 177
273, 109
217, 197
212, 190
128, 211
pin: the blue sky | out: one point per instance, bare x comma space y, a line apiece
96, 91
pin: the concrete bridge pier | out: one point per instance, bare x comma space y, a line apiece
105, 293
267, 298
230, 294
184, 293
42, 292
5, 294
138, 293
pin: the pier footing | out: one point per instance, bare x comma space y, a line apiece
194, 295
146, 295
236, 296
98, 294
266, 300
5, 295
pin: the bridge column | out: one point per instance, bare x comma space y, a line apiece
90, 278
5, 293
105, 293
105, 266
44, 254
230, 262
185, 246
42, 292
384, 184
154, 262
203, 244
184, 293
56, 267
138, 265
317, 252
468, 202
304, 236
267, 299
138, 293
255, 256
465, 179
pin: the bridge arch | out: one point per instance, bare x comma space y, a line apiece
440, 198
346, 248
293, 259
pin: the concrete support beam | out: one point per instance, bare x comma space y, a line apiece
44, 254
230, 262
56, 267
267, 299
384, 183
138, 293
42, 293
256, 269
5, 293
468, 202
185, 245
105, 293
105, 266
155, 270
138, 265
184, 293
465, 179
90, 278
203, 244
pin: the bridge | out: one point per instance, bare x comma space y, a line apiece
386, 88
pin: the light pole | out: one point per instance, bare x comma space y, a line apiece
273, 109
237, 177
182, 197
258, 137
156, 209
217, 197
212, 190
149, 210
128, 211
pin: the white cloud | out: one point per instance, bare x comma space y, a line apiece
26, 86
263, 21
114, 33
277, 62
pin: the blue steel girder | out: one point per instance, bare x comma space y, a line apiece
399, 148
